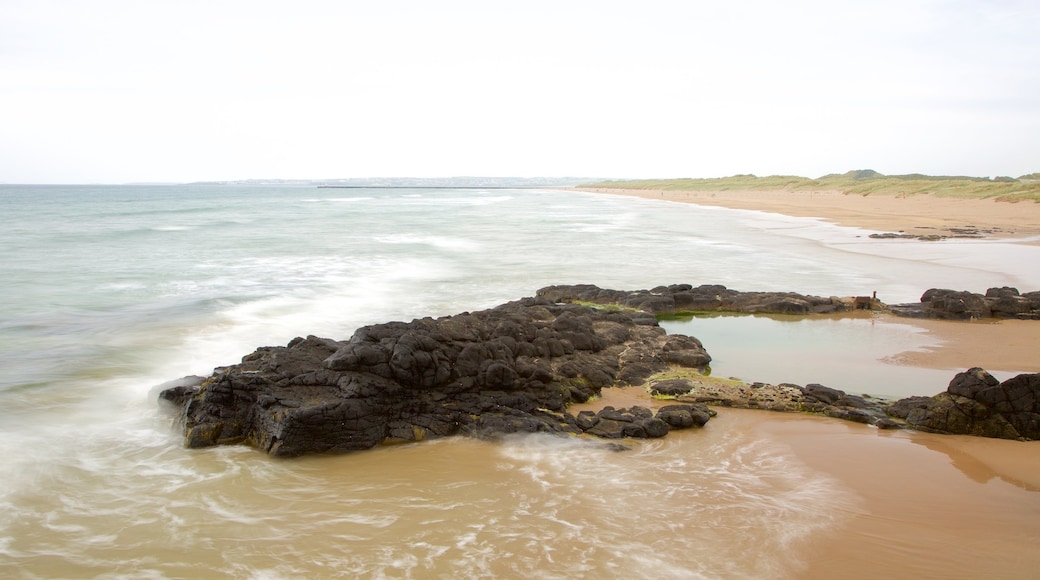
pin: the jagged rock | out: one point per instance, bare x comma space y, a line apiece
671, 387
935, 303
516, 367
685, 416
178, 391
638, 422
1003, 302
513, 368
713, 297
976, 403
785, 397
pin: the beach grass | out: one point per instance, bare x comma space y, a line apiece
862, 182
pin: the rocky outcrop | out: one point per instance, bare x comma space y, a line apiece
976, 403
785, 397
642, 423
687, 298
517, 368
968, 232
513, 368
940, 303
1003, 302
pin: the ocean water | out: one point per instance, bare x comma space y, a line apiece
108, 291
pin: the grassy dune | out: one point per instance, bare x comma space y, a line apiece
864, 182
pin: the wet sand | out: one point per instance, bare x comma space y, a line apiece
921, 505
916, 214
929, 505
926, 505
995, 345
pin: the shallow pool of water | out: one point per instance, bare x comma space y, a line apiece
851, 352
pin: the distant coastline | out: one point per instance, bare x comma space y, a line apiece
864, 182
932, 208
420, 186
459, 182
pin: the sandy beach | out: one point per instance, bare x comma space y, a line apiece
906, 482
908, 512
991, 344
916, 214
996, 345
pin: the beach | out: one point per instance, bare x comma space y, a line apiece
903, 502
906, 482
991, 344
114, 290
914, 214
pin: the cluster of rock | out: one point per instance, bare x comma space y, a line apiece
785, 397
1003, 302
976, 403
513, 368
642, 423
517, 367
953, 233
710, 297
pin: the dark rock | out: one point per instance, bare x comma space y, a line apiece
637, 422
513, 368
823, 394
685, 416
516, 367
955, 304
587, 420
1005, 302
671, 387
1005, 291
956, 233
976, 403
903, 407
686, 298
179, 391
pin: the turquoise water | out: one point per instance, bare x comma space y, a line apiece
107, 291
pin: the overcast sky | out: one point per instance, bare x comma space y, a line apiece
183, 90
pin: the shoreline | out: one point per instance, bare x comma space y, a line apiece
911, 495
918, 215
1005, 345
915, 494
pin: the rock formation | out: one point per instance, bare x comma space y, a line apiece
940, 303
706, 298
513, 368
785, 397
1003, 302
517, 367
976, 403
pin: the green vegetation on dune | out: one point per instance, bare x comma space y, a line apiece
862, 182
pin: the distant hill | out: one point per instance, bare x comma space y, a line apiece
857, 182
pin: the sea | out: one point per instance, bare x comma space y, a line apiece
107, 292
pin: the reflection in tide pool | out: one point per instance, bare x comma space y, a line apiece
848, 352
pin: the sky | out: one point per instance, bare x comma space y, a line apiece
116, 91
